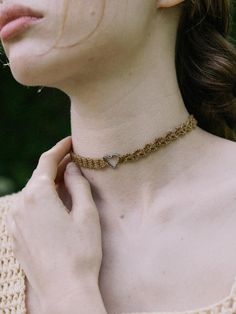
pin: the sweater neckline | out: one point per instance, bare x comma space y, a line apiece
226, 303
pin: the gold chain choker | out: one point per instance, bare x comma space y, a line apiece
115, 159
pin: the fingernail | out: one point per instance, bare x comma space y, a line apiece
62, 141
71, 168
66, 139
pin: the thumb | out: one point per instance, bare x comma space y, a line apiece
80, 191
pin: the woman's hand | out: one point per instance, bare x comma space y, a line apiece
59, 250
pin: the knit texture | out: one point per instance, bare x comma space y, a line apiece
13, 278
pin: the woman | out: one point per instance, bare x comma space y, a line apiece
150, 231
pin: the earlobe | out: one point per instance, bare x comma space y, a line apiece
167, 3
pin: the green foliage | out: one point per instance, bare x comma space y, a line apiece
30, 123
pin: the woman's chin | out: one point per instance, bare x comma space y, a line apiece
27, 79
29, 73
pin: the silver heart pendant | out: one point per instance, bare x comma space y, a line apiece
112, 160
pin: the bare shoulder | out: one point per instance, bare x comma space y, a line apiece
229, 167
220, 155
214, 176
222, 169
225, 157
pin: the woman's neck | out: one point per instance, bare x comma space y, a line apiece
119, 109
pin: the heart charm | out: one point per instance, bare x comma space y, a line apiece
112, 160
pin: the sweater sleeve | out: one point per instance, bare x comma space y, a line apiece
12, 277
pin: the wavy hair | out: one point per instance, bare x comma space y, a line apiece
206, 64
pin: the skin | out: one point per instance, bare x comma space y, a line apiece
122, 84
69, 239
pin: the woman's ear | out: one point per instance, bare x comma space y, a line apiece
167, 3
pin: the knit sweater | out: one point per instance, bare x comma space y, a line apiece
13, 285
12, 277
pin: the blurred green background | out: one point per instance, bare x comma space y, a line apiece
31, 122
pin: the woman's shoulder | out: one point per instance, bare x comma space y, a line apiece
12, 277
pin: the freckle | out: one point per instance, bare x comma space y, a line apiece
122, 216
92, 13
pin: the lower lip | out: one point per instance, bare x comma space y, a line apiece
17, 26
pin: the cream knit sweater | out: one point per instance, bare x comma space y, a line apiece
13, 286
12, 277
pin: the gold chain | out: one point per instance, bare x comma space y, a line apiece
114, 159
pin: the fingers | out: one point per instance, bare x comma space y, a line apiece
83, 205
41, 189
61, 168
49, 160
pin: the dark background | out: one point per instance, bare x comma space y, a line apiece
31, 122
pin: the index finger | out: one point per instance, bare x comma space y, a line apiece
49, 160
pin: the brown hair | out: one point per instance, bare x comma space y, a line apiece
206, 64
